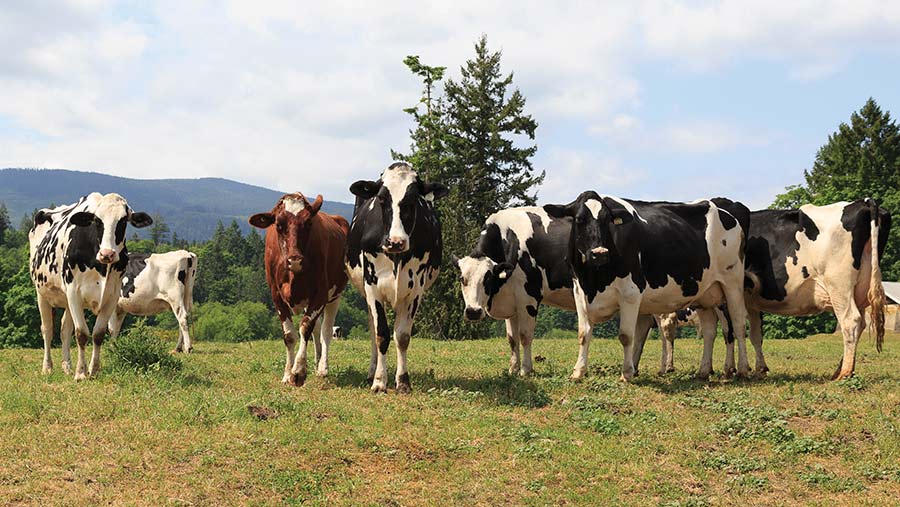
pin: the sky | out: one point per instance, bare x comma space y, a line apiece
647, 99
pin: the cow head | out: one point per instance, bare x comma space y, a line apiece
292, 219
109, 219
600, 228
396, 196
480, 279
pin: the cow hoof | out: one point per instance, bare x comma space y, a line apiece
322, 372
67, 368
526, 373
578, 374
744, 374
47, 370
379, 388
760, 374
513, 370
79, 376
625, 378
298, 379
403, 388
703, 375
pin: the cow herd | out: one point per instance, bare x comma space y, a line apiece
707, 262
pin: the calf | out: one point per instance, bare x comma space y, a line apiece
815, 259
636, 257
305, 271
393, 256
77, 258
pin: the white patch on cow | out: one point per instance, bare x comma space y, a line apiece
594, 206
397, 181
625, 204
293, 205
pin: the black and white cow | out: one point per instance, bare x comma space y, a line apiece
393, 256
77, 259
668, 324
154, 283
636, 257
518, 264
815, 259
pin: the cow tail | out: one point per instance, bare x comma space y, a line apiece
190, 277
876, 290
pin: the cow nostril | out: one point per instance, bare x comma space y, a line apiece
473, 313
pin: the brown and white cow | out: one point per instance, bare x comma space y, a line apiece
305, 270
815, 259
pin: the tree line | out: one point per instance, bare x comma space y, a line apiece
474, 135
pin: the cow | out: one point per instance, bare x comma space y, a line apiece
77, 256
668, 324
393, 256
304, 260
815, 259
337, 332
636, 257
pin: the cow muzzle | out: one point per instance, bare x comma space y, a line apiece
107, 256
597, 256
295, 264
395, 245
474, 313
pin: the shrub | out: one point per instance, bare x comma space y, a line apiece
140, 349
240, 322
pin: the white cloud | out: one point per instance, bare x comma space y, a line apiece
570, 171
707, 137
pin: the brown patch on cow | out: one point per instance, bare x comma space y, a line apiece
262, 413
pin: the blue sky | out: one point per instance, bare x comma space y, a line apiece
653, 99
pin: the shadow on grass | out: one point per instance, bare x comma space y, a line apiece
685, 381
502, 389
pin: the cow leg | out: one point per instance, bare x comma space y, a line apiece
708, 330
76, 311
584, 343
526, 326
667, 337
644, 324
46, 332
728, 369
289, 333
65, 337
115, 323
326, 335
756, 339
383, 341
101, 326
317, 342
403, 324
184, 337
307, 330
373, 359
628, 317
852, 324
512, 336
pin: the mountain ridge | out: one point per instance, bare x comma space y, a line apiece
192, 207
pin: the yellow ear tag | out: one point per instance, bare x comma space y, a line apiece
617, 221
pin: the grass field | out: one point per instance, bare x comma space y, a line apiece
468, 435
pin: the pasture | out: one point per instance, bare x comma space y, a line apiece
468, 435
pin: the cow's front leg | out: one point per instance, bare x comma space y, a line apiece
326, 334
101, 325
307, 328
290, 336
382, 340
755, 318
76, 311
373, 358
46, 331
67, 327
403, 324
584, 343
737, 311
512, 336
642, 330
628, 317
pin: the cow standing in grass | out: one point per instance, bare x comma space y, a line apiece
304, 260
77, 258
393, 256
815, 259
635, 257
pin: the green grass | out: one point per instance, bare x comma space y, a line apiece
468, 435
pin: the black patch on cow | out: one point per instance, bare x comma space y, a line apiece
531, 310
856, 218
181, 276
191, 261
382, 329
120, 227
805, 272
772, 241
136, 264
415, 307
729, 336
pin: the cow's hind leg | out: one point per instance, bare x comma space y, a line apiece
76, 311
737, 311
708, 330
852, 323
65, 337
326, 334
46, 332
756, 339
373, 358
383, 341
512, 336
526, 326
642, 330
290, 336
184, 337
307, 330
628, 318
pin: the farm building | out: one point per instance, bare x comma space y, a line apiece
892, 308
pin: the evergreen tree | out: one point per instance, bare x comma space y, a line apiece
467, 140
159, 231
4, 221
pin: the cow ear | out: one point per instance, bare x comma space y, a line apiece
316, 205
433, 191
41, 217
365, 189
503, 271
561, 210
140, 219
262, 220
82, 218
619, 215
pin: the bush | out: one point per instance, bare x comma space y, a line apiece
240, 322
140, 349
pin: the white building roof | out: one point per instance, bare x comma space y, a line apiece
892, 290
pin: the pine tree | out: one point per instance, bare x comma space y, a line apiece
4, 221
159, 231
467, 140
